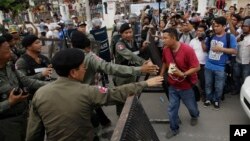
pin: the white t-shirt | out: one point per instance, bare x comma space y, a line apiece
243, 55
239, 30
200, 54
50, 35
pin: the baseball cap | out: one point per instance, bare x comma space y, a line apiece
81, 23
13, 29
73, 16
247, 22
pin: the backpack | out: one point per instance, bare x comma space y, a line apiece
228, 40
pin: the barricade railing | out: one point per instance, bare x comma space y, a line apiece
53, 45
134, 124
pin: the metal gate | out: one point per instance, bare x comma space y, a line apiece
134, 124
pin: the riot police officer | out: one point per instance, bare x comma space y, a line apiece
126, 54
95, 64
72, 122
33, 64
13, 100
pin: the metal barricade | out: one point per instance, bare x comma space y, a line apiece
134, 124
53, 46
156, 59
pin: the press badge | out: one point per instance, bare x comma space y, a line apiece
38, 70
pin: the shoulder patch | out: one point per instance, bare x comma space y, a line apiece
16, 66
120, 47
97, 57
102, 90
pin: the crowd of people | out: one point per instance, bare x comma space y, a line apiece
212, 52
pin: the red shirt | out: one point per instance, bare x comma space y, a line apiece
185, 59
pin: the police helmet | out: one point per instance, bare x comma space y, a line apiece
96, 22
132, 15
119, 24
69, 22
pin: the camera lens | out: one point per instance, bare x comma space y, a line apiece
17, 91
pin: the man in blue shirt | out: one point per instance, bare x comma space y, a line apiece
218, 55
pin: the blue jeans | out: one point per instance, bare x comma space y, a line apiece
241, 71
188, 98
214, 82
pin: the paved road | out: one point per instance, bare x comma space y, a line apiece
213, 124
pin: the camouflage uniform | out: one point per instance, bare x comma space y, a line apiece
13, 119
71, 122
95, 64
127, 55
27, 66
94, 45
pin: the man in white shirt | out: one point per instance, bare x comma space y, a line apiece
242, 65
50, 44
187, 33
198, 44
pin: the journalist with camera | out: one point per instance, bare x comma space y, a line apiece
198, 44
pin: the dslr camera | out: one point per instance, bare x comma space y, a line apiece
202, 37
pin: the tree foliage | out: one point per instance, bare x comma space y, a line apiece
14, 6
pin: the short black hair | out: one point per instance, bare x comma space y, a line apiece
202, 26
233, 7
237, 16
29, 40
220, 20
66, 60
247, 17
2, 40
8, 37
79, 40
172, 33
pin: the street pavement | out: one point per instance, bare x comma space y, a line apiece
213, 125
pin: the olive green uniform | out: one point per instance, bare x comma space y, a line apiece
126, 56
94, 45
13, 118
94, 64
24, 67
64, 108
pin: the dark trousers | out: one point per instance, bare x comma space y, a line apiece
99, 117
13, 128
201, 77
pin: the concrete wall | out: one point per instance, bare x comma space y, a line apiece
202, 4
240, 3
109, 18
